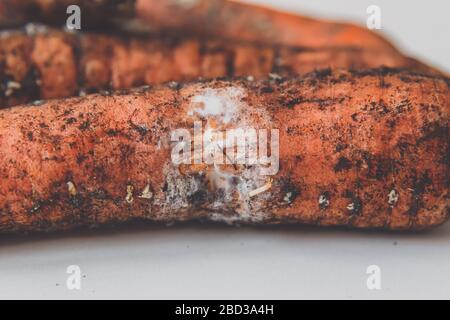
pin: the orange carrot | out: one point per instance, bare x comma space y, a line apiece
366, 149
52, 64
237, 20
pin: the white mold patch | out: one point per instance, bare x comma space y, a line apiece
324, 202
222, 104
228, 192
393, 198
178, 188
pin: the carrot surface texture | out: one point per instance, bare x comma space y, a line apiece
46, 63
363, 149
218, 18
240, 20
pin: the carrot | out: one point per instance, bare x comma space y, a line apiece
237, 20
51, 64
95, 14
364, 149
224, 18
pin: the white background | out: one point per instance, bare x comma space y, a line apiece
204, 261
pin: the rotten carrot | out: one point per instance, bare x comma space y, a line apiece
219, 18
43, 64
363, 149
238, 20
95, 14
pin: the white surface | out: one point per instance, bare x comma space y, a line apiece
210, 262
202, 261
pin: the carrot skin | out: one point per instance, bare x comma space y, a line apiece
244, 21
366, 149
54, 64
218, 18
95, 14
